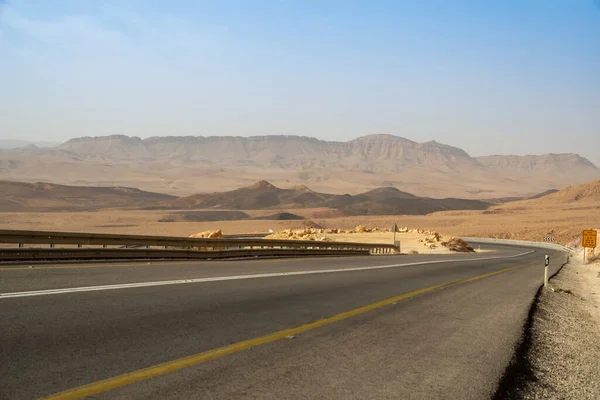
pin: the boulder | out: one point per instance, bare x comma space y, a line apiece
360, 229
208, 235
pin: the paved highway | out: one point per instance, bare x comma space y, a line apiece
438, 326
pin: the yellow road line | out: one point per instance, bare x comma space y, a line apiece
181, 363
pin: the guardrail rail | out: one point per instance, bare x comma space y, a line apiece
543, 245
142, 247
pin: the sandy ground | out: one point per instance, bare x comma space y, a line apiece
408, 241
131, 222
563, 222
565, 355
147, 223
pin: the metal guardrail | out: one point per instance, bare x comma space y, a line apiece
137, 245
511, 242
71, 238
49, 254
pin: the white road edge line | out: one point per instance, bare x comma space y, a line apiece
235, 277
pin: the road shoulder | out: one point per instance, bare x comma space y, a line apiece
565, 337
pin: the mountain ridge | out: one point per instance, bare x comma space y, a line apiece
303, 152
184, 165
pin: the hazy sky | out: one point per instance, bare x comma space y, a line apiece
488, 76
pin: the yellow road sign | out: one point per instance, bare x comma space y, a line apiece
589, 239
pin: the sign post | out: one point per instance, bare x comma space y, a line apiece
589, 241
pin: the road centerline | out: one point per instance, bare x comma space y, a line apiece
189, 361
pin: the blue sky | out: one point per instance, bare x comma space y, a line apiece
491, 77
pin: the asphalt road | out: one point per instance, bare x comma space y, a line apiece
450, 342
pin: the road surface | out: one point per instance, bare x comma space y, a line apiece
363, 327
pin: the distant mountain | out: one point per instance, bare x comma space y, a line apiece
260, 195
197, 164
19, 196
13, 144
545, 163
382, 201
370, 153
47, 197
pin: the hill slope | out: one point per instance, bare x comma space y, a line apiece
382, 201
19, 196
588, 192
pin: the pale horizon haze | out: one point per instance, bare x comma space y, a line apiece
490, 77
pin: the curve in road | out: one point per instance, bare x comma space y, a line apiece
420, 338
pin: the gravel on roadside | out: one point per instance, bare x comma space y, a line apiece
565, 352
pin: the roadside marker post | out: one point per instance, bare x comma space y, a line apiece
547, 262
396, 243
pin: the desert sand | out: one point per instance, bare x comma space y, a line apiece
560, 216
563, 222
